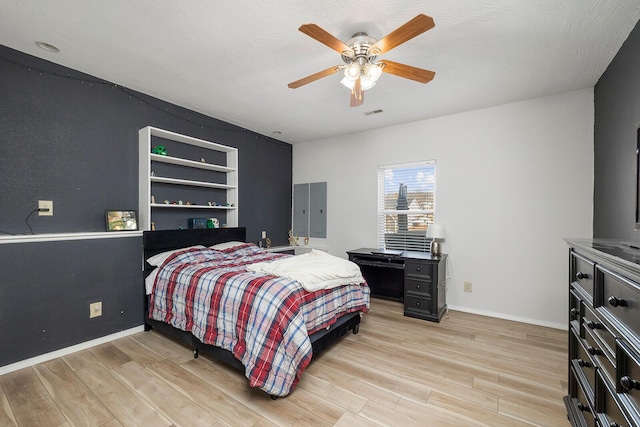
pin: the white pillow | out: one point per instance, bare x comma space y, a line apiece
158, 259
226, 245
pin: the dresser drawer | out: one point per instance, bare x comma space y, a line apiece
600, 356
609, 411
601, 331
621, 297
582, 274
583, 405
584, 367
628, 381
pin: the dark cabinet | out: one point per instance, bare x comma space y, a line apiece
416, 278
604, 334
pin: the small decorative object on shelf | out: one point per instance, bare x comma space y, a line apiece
159, 149
202, 160
153, 199
166, 202
306, 240
268, 242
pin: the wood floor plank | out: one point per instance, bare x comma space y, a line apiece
137, 351
175, 406
79, 405
31, 403
126, 405
167, 348
6, 414
191, 380
110, 355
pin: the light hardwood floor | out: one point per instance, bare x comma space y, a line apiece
468, 370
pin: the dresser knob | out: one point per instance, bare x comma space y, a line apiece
614, 424
615, 301
593, 325
582, 407
580, 275
593, 351
583, 364
574, 312
418, 268
418, 286
417, 303
629, 383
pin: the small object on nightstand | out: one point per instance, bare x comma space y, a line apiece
268, 240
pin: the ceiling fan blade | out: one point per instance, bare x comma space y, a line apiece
415, 27
314, 77
315, 32
407, 71
357, 94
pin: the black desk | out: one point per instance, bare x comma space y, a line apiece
411, 277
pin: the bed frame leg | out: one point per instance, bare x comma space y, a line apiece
356, 329
195, 353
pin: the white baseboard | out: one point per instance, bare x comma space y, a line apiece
68, 350
509, 317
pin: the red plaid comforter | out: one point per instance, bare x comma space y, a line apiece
265, 321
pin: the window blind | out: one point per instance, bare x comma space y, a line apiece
406, 205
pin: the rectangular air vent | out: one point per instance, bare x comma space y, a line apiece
368, 113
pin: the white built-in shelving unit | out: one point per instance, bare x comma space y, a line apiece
147, 179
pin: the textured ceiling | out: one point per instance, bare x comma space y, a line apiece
232, 60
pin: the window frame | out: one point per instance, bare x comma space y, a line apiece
414, 238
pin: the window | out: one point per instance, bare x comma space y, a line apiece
406, 205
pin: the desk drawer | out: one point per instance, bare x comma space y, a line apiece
414, 304
417, 288
418, 271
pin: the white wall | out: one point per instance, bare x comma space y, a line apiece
512, 182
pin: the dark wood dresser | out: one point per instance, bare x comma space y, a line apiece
604, 334
416, 278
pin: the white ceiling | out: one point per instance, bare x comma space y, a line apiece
232, 60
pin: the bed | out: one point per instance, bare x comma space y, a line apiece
222, 297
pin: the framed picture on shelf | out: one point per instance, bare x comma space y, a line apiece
121, 220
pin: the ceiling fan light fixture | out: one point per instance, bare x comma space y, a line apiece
373, 71
351, 72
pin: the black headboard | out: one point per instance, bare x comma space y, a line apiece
163, 240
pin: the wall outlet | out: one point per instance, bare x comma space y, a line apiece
45, 204
468, 287
264, 234
95, 309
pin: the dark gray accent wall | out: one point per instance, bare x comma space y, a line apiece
617, 112
73, 138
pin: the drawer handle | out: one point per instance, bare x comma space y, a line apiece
594, 351
582, 407
418, 269
583, 364
417, 303
593, 325
615, 301
574, 312
629, 383
580, 275
614, 424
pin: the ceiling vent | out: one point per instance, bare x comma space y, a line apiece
369, 113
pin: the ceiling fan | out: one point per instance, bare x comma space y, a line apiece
360, 56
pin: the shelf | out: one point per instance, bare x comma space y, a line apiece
165, 205
189, 163
176, 181
190, 173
